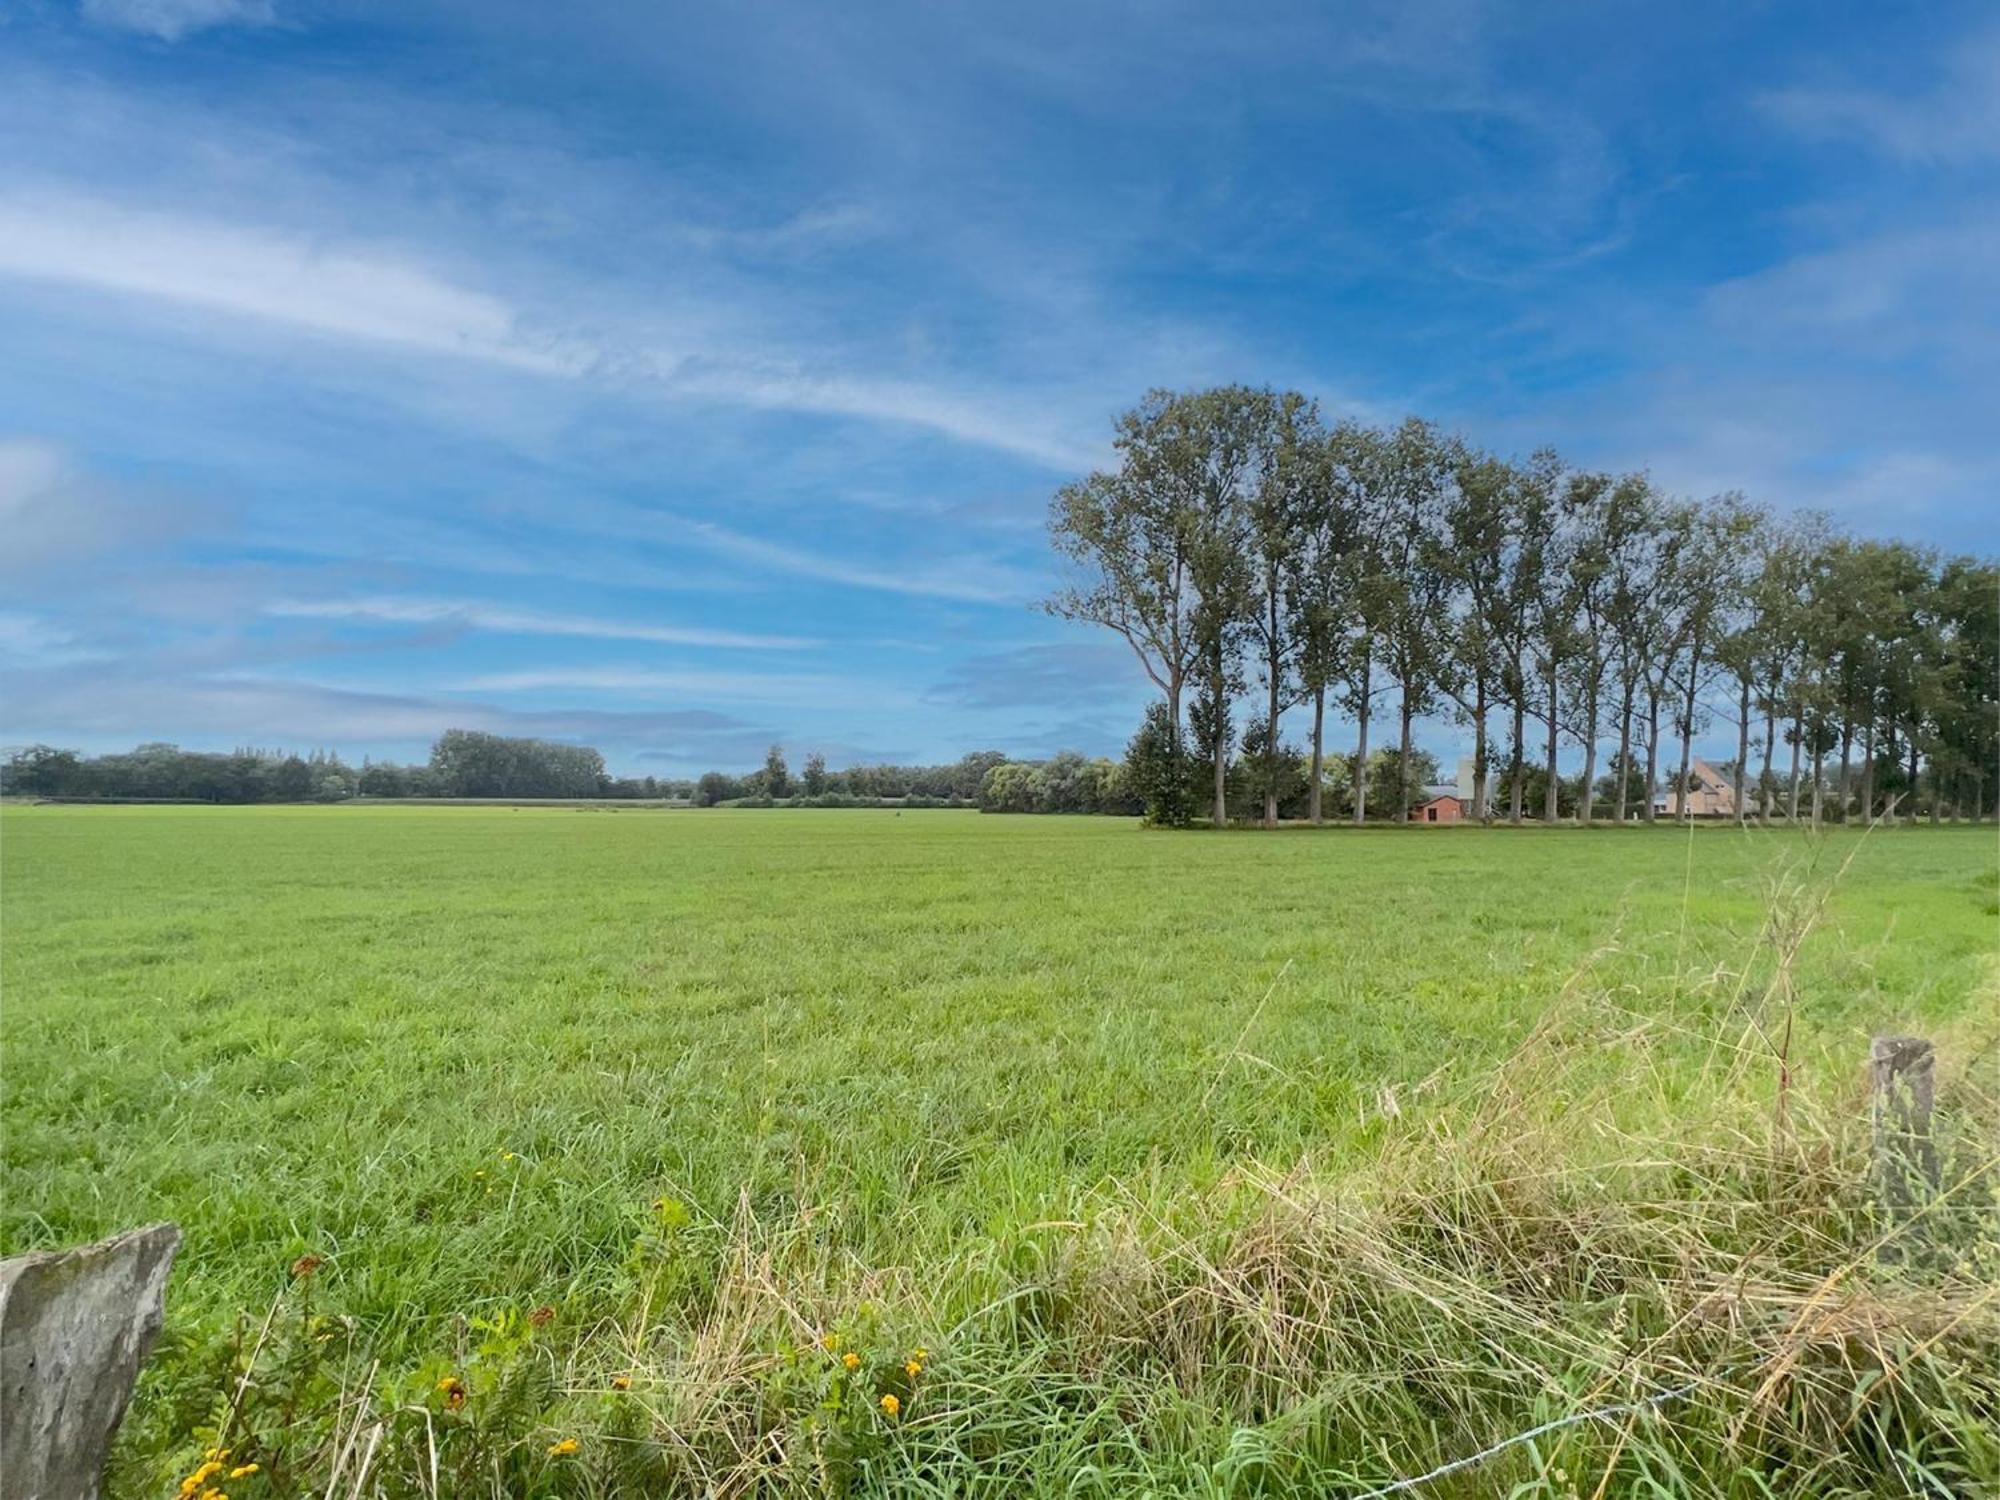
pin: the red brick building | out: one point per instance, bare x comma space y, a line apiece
1444, 805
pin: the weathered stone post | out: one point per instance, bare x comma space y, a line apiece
75, 1326
1902, 1076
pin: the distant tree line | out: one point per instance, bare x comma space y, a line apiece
470, 764
773, 784
463, 763
1245, 549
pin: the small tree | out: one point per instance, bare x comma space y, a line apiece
1274, 773
1392, 780
815, 775
777, 775
1212, 736
1158, 771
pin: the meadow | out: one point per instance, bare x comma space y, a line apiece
584, 1152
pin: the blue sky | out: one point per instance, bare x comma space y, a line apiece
682, 378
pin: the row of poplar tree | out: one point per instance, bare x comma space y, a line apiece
1248, 549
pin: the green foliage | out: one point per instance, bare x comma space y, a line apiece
776, 780
469, 763
1015, 787
1386, 781
1271, 768
167, 773
1065, 783
1160, 772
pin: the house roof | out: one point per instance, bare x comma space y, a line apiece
1444, 789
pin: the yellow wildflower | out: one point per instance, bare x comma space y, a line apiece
891, 1405
621, 1382
243, 1471
830, 1341
851, 1360
913, 1368
564, 1448
454, 1392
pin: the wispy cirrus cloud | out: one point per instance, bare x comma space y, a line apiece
1954, 121
972, 579
507, 619
38, 641
391, 297
112, 705
56, 517
170, 20
369, 294
1059, 674
797, 689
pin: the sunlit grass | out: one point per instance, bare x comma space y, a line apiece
1148, 1134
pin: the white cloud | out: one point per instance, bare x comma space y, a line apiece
970, 580
1928, 288
381, 296
343, 292
170, 20
1046, 675
27, 470
983, 421
796, 690
32, 640
502, 618
54, 517
121, 704
1957, 120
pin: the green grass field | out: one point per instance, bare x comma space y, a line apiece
1212, 1164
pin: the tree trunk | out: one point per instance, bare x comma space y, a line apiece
1218, 687
1846, 756
1273, 664
1318, 760
1819, 783
1742, 745
1551, 803
1798, 738
1624, 753
1220, 814
1682, 808
1479, 753
1868, 772
1652, 748
1764, 785
1403, 762
1517, 773
1589, 766
1360, 775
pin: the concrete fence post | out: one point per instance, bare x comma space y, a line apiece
75, 1327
